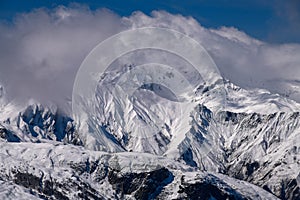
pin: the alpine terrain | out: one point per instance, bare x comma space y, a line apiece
218, 142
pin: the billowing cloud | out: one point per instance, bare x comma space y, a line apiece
41, 51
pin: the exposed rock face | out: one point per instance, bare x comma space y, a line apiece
36, 123
56, 171
8, 135
228, 154
142, 185
206, 189
265, 151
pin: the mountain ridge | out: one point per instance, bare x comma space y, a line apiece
260, 148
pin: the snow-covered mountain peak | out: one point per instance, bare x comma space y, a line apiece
239, 100
139, 123
250, 139
34, 122
151, 109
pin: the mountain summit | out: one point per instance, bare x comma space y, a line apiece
191, 147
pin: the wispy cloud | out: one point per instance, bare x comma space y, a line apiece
41, 51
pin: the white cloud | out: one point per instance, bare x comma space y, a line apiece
42, 50
242, 59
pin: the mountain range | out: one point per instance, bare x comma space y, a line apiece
218, 142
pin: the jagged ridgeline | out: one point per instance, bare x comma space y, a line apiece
248, 151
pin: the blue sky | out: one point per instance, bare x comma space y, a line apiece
275, 21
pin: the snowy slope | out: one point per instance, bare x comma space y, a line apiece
11, 191
34, 122
71, 172
153, 118
220, 128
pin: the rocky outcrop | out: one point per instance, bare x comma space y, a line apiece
57, 171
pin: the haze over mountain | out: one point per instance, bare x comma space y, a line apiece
48, 46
